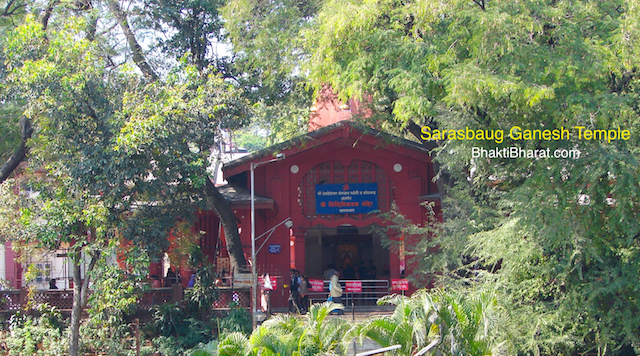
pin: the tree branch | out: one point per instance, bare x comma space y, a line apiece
21, 153
480, 3
8, 11
416, 131
47, 13
136, 49
95, 256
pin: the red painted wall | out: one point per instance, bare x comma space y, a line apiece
276, 181
12, 267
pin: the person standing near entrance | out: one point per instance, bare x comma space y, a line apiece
294, 291
362, 271
335, 292
373, 270
331, 269
304, 294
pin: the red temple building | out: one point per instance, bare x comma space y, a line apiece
328, 185
331, 185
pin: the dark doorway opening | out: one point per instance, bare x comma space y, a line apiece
345, 252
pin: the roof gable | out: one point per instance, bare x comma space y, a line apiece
354, 133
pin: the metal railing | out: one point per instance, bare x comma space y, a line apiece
372, 290
14, 299
382, 350
379, 351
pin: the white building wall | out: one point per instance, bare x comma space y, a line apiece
59, 270
3, 264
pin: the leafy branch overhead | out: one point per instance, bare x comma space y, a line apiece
558, 237
114, 156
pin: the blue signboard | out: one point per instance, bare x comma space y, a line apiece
351, 198
274, 248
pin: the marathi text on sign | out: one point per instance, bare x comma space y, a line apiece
399, 284
354, 286
348, 198
316, 285
273, 283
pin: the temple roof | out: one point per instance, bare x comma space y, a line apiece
324, 135
240, 197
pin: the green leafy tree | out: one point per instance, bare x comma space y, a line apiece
124, 157
89, 13
188, 27
312, 335
15, 129
268, 53
252, 139
558, 237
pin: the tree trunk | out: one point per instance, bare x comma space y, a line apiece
80, 296
220, 205
21, 153
136, 49
74, 326
222, 208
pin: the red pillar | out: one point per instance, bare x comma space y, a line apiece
300, 253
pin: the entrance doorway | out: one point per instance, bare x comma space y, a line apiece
345, 252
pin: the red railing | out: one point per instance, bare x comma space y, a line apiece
15, 299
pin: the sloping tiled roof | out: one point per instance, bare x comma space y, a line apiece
240, 197
308, 141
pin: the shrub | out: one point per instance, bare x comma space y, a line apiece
43, 335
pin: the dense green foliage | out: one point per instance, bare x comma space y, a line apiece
459, 324
251, 139
471, 323
114, 157
268, 53
558, 238
287, 335
30, 335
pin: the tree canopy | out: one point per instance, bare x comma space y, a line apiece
559, 237
119, 129
118, 152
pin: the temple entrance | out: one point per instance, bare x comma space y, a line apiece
353, 254
346, 253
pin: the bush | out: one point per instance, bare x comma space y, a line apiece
175, 331
168, 346
238, 320
43, 335
110, 339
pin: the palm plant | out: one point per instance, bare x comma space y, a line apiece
463, 324
209, 349
278, 336
469, 324
233, 344
287, 335
408, 326
321, 335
